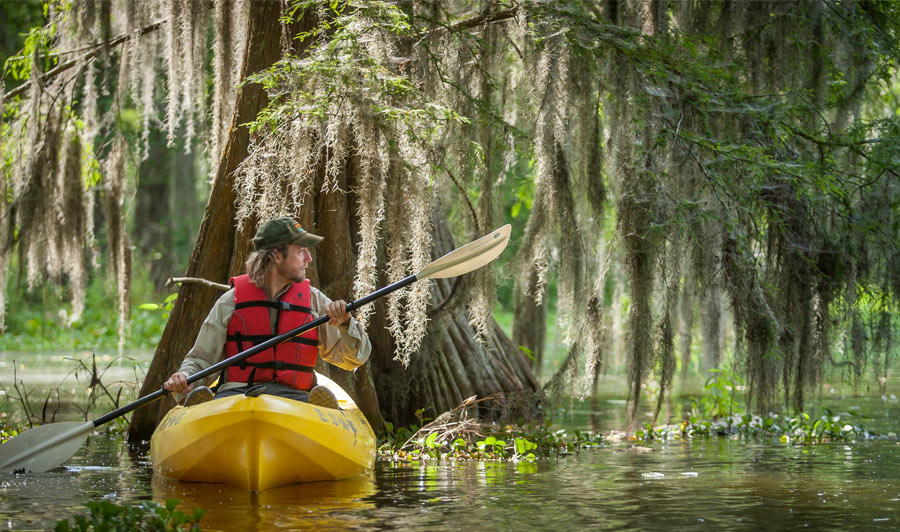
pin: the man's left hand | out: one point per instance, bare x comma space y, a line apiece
337, 313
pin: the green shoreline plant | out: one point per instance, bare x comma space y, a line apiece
144, 516
474, 441
800, 428
719, 411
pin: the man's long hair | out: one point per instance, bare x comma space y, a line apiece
260, 263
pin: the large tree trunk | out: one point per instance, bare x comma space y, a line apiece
451, 365
215, 256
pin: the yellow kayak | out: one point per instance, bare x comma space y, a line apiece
265, 441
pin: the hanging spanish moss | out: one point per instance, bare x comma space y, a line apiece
715, 167
55, 127
230, 26
75, 228
706, 204
312, 131
119, 247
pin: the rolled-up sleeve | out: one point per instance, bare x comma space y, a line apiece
345, 346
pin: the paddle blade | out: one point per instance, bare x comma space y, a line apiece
45, 447
470, 257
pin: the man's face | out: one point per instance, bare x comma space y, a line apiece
294, 262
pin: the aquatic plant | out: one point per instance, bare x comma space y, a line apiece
720, 397
9, 429
459, 437
92, 391
145, 515
800, 428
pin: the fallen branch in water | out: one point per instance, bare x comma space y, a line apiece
449, 424
460, 435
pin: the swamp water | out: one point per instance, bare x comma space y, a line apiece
714, 483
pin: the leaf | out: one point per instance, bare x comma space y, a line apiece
528, 352
514, 212
520, 446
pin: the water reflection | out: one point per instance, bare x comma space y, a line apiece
312, 505
717, 483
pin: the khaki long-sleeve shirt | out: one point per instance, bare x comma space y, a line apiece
346, 346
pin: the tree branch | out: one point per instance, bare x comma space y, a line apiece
171, 281
484, 18
91, 54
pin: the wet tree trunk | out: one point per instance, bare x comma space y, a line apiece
686, 310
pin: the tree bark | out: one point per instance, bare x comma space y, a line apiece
215, 254
686, 311
450, 366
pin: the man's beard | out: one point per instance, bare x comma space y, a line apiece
296, 276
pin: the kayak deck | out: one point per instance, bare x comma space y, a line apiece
262, 442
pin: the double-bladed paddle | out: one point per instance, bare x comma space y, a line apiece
48, 446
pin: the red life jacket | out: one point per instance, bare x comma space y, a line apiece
290, 362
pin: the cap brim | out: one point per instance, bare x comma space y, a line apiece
308, 240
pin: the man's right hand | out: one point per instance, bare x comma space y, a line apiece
178, 383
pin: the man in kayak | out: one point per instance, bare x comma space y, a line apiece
274, 297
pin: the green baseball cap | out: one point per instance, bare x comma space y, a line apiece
280, 231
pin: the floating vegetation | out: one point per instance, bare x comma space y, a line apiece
456, 436
488, 442
9, 429
145, 515
801, 428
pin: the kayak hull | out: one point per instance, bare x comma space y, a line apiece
262, 442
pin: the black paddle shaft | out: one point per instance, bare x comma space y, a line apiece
162, 392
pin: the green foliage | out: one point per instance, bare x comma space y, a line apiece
144, 516
166, 306
8, 428
718, 399
39, 320
801, 428
513, 442
339, 65
38, 43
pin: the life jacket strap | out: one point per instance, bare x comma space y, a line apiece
278, 305
257, 339
277, 365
